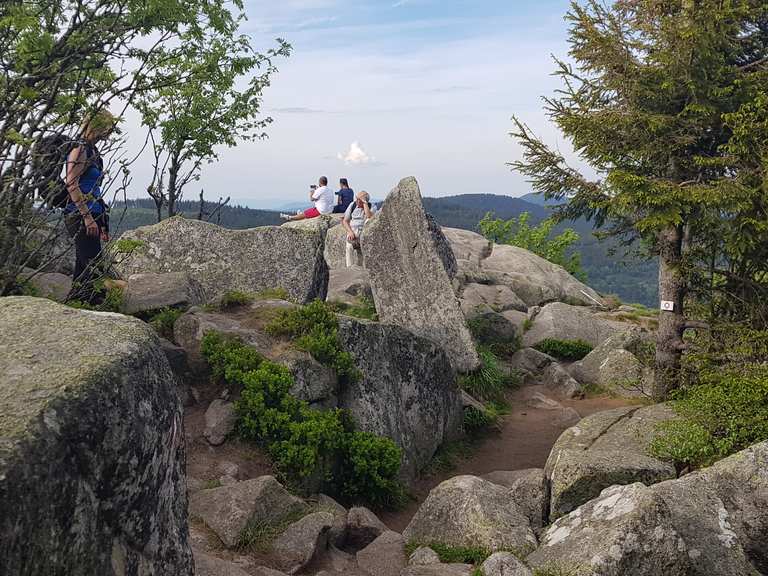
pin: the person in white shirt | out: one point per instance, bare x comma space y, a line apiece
357, 214
322, 196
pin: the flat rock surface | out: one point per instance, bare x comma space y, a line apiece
565, 322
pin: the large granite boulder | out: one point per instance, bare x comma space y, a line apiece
410, 283
626, 530
565, 322
468, 246
603, 449
385, 556
721, 512
528, 489
471, 512
52, 285
349, 285
302, 540
407, 392
335, 249
476, 298
222, 260
92, 459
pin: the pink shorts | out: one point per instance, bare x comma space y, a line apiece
311, 213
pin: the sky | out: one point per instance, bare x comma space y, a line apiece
375, 91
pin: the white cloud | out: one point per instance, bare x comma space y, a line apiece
356, 155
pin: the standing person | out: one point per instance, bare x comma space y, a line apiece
85, 214
322, 196
357, 214
344, 197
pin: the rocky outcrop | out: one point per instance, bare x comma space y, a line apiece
626, 530
471, 512
603, 449
91, 446
363, 527
222, 260
423, 556
335, 248
228, 509
411, 287
407, 392
566, 322
147, 292
479, 298
532, 278
614, 365
52, 285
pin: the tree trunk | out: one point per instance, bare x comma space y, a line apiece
669, 338
173, 173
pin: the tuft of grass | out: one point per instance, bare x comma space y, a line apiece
211, 484
258, 535
234, 299
475, 555
527, 325
570, 350
365, 309
113, 302
272, 294
490, 381
164, 319
447, 457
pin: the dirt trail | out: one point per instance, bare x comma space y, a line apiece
524, 440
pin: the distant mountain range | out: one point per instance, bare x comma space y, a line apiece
631, 279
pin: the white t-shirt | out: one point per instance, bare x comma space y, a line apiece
323, 197
356, 217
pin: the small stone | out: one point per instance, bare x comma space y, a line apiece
220, 420
423, 556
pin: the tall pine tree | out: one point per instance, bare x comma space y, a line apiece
648, 102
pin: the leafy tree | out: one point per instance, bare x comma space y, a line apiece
519, 232
61, 59
656, 101
208, 109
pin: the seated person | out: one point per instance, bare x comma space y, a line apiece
357, 214
322, 196
344, 197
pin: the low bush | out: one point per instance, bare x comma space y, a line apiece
726, 411
570, 350
314, 328
316, 449
475, 555
164, 319
477, 422
365, 309
233, 299
490, 381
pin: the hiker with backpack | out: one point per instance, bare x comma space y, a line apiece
85, 213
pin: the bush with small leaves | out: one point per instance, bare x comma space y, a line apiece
570, 350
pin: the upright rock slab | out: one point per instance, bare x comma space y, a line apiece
222, 260
91, 446
410, 283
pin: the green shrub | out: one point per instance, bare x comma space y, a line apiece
228, 357
725, 412
112, 302
453, 554
571, 350
233, 299
128, 245
527, 325
314, 328
316, 449
372, 465
490, 381
164, 319
477, 421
